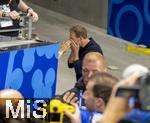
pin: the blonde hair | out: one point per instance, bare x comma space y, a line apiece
94, 56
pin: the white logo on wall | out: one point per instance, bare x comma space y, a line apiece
20, 110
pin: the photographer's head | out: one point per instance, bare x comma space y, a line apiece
122, 91
143, 84
93, 62
98, 91
135, 68
9, 94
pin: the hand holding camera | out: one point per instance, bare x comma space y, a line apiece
57, 110
136, 83
75, 116
138, 88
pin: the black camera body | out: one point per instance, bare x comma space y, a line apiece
141, 92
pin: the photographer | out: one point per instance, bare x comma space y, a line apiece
96, 96
9, 17
117, 112
93, 62
14, 96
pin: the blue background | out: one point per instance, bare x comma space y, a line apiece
32, 71
130, 20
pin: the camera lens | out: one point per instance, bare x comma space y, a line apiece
55, 109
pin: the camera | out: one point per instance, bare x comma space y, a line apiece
57, 109
141, 92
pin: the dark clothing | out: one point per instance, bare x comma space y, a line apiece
13, 7
92, 46
77, 90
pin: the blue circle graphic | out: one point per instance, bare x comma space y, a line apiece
111, 2
17, 79
37, 79
50, 77
28, 60
146, 11
47, 51
40, 51
139, 17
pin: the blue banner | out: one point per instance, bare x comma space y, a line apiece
31, 71
130, 20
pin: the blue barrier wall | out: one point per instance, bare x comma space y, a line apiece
130, 20
32, 71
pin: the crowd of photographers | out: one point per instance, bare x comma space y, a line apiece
108, 100
98, 96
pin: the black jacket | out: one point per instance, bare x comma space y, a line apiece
76, 89
92, 46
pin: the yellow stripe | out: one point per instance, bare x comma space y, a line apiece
140, 50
